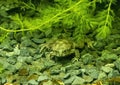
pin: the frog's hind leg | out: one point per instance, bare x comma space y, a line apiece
77, 56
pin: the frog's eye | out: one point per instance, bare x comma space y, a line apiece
65, 51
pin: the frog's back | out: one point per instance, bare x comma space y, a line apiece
61, 44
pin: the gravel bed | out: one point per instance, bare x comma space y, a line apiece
22, 64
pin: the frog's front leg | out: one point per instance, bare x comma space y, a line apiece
77, 55
49, 55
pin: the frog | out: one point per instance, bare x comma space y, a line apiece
60, 48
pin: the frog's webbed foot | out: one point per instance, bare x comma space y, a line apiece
76, 59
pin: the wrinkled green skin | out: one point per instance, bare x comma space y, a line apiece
60, 48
